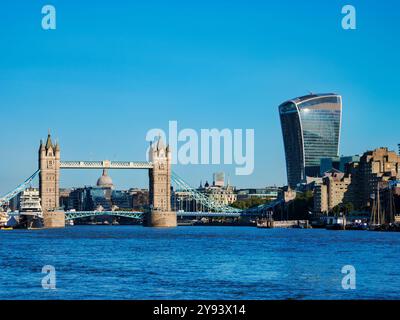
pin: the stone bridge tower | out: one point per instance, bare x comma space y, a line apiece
49, 178
160, 187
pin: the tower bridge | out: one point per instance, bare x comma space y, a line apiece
160, 178
159, 168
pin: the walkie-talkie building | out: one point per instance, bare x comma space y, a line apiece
311, 131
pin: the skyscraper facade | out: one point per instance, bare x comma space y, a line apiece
311, 131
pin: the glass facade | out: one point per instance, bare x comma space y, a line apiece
96, 198
338, 163
311, 131
121, 199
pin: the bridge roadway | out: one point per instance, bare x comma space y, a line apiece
71, 215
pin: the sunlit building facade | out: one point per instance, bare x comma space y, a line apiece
311, 131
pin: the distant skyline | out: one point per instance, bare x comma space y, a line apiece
112, 71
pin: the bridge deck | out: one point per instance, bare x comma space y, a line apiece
70, 215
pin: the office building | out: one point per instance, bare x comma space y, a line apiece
311, 131
338, 163
270, 193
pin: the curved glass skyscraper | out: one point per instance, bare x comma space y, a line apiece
311, 131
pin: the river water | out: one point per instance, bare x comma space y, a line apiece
133, 262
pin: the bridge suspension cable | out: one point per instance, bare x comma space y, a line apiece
182, 185
17, 190
200, 197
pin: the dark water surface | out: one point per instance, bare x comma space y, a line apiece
133, 262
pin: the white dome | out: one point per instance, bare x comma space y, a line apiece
105, 180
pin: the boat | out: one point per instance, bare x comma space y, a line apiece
3, 219
30, 213
358, 226
6, 228
336, 223
377, 218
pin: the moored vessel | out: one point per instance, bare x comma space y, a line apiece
3, 219
30, 213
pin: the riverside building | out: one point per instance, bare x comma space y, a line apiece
359, 183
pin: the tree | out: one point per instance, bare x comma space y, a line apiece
301, 206
345, 208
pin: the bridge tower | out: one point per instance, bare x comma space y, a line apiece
49, 178
160, 187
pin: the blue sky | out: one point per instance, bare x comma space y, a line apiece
116, 69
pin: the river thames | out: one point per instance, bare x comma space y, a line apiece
222, 263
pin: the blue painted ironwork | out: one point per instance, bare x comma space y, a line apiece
71, 215
214, 209
201, 198
218, 209
18, 189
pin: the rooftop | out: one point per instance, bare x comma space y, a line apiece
312, 96
308, 97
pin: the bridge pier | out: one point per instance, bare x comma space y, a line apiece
54, 219
161, 219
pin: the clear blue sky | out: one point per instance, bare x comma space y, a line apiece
115, 69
